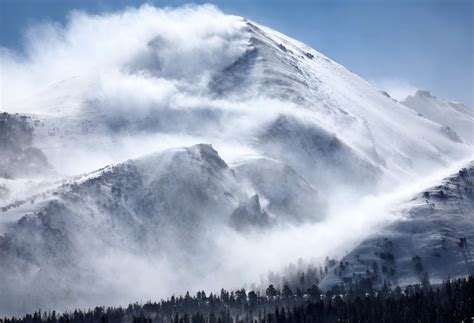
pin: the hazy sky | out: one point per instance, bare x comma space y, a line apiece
399, 45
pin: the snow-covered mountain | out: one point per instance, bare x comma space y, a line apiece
455, 117
268, 84
187, 135
431, 241
179, 195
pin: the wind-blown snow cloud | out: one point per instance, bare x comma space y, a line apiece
123, 60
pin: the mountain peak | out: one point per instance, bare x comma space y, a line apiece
450, 115
208, 154
423, 93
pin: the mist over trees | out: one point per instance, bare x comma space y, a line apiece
452, 301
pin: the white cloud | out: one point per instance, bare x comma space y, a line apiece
118, 57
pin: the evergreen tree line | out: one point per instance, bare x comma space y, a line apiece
452, 301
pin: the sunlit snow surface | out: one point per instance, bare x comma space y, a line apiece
164, 127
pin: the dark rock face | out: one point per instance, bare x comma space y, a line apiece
290, 196
18, 157
451, 134
249, 214
235, 77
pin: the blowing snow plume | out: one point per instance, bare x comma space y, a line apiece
182, 145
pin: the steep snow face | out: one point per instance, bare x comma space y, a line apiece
431, 240
320, 155
454, 116
379, 130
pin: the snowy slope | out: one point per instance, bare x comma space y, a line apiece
455, 116
432, 239
138, 207
240, 97
379, 129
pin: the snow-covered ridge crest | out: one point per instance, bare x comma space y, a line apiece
164, 207
454, 116
165, 73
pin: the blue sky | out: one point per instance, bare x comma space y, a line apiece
396, 44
